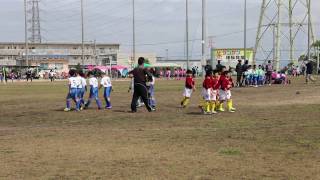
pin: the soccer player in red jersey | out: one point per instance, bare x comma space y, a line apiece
189, 88
207, 92
226, 84
215, 91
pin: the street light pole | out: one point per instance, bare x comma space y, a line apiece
187, 33
204, 34
82, 33
133, 33
245, 32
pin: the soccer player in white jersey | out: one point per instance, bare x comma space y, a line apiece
94, 91
73, 84
82, 88
106, 83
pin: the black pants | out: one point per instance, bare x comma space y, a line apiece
29, 77
140, 90
239, 82
268, 77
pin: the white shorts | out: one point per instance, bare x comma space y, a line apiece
209, 94
224, 95
187, 92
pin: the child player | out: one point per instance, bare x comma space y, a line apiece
82, 88
73, 84
151, 98
215, 91
226, 84
94, 91
189, 88
106, 83
207, 92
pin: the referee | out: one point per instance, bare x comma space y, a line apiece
140, 76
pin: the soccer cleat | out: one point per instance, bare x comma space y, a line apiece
108, 107
221, 109
214, 112
67, 110
232, 111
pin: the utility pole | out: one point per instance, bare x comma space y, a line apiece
35, 22
318, 59
245, 33
309, 28
291, 39
278, 38
82, 33
133, 33
187, 33
204, 35
26, 33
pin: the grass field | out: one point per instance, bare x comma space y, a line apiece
275, 134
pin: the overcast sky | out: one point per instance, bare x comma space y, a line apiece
160, 24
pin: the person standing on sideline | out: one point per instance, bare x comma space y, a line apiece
309, 71
239, 73
219, 66
51, 75
244, 68
140, 76
269, 70
29, 75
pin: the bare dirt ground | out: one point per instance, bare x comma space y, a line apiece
275, 134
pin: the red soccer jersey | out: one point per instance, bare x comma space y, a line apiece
189, 82
215, 83
207, 83
225, 83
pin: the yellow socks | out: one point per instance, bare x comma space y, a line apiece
230, 105
213, 107
220, 107
208, 109
185, 102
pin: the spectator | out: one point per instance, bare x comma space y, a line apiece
219, 66
269, 70
239, 73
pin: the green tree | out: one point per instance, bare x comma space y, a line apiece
316, 44
78, 67
146, 61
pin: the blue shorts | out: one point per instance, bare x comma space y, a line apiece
81, 92
73, 93
107, 92
94, 92
151, 90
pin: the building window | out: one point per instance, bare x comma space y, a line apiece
242, 57
58, 66
228, 57
44, 66
233, 57
237, 57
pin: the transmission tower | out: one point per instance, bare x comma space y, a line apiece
34, 21
282, 25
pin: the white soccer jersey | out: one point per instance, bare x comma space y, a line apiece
93, 82
74, 82
83, 82
106, 81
